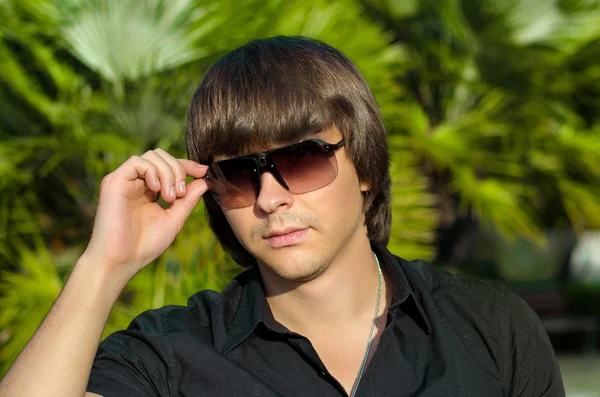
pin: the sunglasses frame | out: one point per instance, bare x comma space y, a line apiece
264, 161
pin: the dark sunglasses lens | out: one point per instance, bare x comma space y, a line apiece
305, 166
233, 182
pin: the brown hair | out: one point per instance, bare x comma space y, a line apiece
278, 90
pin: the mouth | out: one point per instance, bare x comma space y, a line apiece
285, 237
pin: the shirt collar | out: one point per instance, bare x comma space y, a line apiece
405, 296
246, 306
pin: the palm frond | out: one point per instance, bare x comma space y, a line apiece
123, 41
414, 210
530, 21
25, 298
499, 202
573, 32
582, 204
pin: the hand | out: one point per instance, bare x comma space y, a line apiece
131, 229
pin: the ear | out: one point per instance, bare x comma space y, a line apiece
365, 186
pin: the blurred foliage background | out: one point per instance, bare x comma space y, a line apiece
492, 109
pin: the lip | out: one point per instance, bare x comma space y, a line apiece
285, 237
281, 232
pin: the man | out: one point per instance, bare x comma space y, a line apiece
298, 192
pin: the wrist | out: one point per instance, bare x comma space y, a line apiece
100, 281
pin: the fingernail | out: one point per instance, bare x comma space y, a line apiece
182, 186
172, 191
201, 165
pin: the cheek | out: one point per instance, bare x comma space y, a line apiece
240, 222
341, 200
349, 185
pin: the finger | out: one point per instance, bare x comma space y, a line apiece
165, 174
178, 171
193, 168
181, 209
136, 168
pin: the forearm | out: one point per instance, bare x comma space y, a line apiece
57, 360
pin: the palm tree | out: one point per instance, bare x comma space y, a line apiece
501, 110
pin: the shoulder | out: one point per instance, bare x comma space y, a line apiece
489, 319
468, 301
145, 359
206, 312
454, 291
203, 308
478, 312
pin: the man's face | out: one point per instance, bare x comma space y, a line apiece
322, 222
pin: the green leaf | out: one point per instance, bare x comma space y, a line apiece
499, 202
123, 41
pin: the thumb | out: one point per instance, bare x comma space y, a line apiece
181, 208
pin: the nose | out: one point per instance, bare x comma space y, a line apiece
272, 195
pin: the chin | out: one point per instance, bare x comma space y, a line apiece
295, 265
299, 275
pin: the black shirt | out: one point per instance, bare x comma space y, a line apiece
446, 335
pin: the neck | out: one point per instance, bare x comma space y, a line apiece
344, 295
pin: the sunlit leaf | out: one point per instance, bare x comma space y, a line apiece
122, 40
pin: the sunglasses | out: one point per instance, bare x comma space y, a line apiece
300, 168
